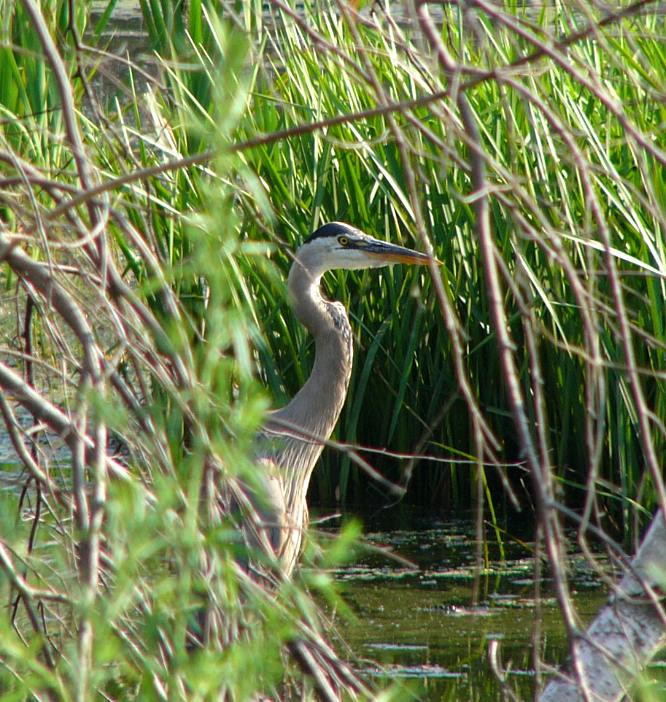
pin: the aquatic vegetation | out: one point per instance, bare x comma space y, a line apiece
145, 233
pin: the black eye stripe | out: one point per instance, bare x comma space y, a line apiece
330, 229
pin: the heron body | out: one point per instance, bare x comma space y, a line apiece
296, 432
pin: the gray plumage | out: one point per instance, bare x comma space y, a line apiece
296, 431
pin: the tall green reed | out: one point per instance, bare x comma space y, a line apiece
542, 226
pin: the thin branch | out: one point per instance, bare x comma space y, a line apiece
29, 596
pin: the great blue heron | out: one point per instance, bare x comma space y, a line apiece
295, 432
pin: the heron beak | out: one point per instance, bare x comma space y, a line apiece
392, 253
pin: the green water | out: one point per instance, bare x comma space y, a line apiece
422, 628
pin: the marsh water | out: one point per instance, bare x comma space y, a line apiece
425, 615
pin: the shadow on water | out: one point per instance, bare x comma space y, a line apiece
421, 626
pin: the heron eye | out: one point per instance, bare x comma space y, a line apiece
343, 240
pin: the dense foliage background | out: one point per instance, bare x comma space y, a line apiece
148, 210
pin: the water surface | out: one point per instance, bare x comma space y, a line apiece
423, 626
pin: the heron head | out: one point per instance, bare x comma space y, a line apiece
339, 245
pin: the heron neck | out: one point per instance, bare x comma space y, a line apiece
317, 405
